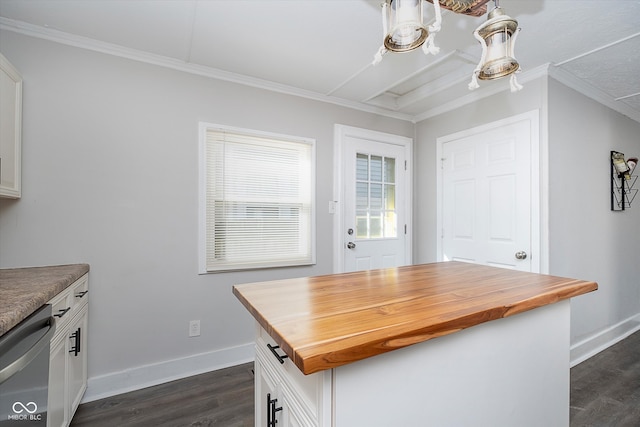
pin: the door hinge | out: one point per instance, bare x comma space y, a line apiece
405, 229
405, 165
442, 162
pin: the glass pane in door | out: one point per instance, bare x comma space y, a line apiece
376, 216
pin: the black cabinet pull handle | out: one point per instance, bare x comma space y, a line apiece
81, 294
62, 312
268, 409
271, 411
76, 346
275, 353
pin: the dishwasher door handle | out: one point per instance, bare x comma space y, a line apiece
17, 365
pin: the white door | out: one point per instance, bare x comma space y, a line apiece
373, 228
489, 193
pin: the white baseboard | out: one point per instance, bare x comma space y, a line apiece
170, 370
600, 341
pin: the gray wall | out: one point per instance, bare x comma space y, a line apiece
585, 237
110, 178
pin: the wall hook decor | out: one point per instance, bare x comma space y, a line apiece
623, 181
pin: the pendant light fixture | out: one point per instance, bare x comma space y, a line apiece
497, 36
404, 29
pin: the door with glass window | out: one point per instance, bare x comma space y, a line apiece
375, 220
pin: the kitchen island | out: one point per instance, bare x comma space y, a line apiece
358, 348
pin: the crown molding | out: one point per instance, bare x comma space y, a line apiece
555, 72
61, 37
581, 86
480, 93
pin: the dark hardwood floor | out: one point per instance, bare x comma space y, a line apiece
605, 392
220, 398
605, 389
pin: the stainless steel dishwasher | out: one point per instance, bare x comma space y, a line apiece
24, 370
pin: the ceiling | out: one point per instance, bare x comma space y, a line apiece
323, 49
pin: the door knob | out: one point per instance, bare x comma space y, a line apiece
521, 255
351, 245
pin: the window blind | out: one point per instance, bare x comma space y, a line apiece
259, 196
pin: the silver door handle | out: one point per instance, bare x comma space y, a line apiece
351, 245
521, 255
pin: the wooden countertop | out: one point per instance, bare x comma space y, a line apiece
24, 290
327, 321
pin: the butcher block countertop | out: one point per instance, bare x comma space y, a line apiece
327, 321
24, 290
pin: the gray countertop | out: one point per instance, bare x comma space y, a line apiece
24, 290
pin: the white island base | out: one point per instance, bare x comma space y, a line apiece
507, 372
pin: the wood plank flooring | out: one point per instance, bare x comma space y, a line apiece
605, 389
605, 392
220, 398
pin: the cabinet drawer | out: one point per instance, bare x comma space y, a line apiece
306, 387
80, 293
61, 309
68, 303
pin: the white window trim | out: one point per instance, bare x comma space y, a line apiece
202, 192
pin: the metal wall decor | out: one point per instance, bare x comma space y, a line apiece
623, 181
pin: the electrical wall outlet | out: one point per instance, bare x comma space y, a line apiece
194, 328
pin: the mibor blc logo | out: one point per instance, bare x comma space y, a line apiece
25, 411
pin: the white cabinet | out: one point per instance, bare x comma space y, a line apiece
10, 129
68, 357
284, 396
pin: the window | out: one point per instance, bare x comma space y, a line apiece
376, 216
257, 199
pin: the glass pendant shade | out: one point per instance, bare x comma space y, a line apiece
406, 29
498, 34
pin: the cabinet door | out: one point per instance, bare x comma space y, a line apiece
77, 366
268, 404
56, 408
10, 131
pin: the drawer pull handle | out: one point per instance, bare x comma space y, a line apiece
81, 294
62, 312
275, 353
